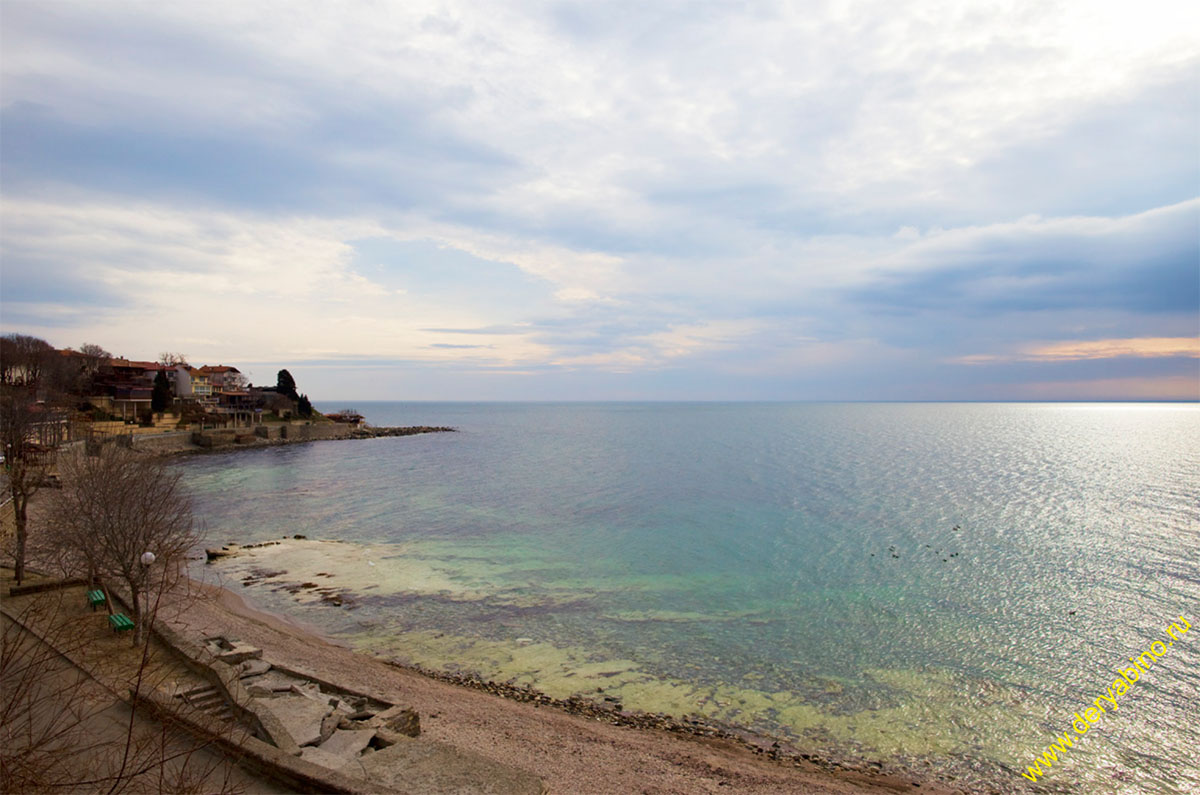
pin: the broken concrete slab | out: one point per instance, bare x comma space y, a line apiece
314, 754
349, 724
254, 667
272, 681
231, 651
301, 717
309, 690
329, 725
442, 769
386, 737
347, 744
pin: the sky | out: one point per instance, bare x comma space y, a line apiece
877, 200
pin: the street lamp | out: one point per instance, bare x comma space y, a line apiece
147, 558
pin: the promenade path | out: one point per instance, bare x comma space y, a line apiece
67, 721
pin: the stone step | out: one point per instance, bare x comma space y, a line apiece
199, 690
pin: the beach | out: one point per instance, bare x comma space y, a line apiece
570, 753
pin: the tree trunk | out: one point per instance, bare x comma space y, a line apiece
137, 615
19, 519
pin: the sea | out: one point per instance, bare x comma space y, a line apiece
936, 587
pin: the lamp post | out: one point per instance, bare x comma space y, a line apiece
146, 559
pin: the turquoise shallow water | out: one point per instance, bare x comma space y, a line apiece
935, 584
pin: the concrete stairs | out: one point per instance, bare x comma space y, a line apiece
209, 700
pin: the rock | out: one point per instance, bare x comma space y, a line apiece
301, 717
214, 554
347, 745
406, 722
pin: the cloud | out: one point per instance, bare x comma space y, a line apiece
1149, 347
844, 199
1141, 263
1079, 350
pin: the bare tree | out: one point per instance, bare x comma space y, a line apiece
24, 359
168, 359
235, 380
24, 461
94, 357
114, 508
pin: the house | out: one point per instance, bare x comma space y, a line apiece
123, 387
198, 386
222, 376
241, 405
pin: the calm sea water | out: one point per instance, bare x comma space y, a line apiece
938, 585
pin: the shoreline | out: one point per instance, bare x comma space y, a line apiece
756, 746
183, 443
747, 766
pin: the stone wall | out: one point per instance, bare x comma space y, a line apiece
162, 442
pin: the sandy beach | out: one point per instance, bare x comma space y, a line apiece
572, 754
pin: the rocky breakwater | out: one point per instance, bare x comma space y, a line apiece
372, 432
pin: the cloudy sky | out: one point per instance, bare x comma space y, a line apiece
613, 200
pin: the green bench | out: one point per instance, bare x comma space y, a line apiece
120, 622
96, 599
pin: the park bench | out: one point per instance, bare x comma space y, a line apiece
120, 622
96, 599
